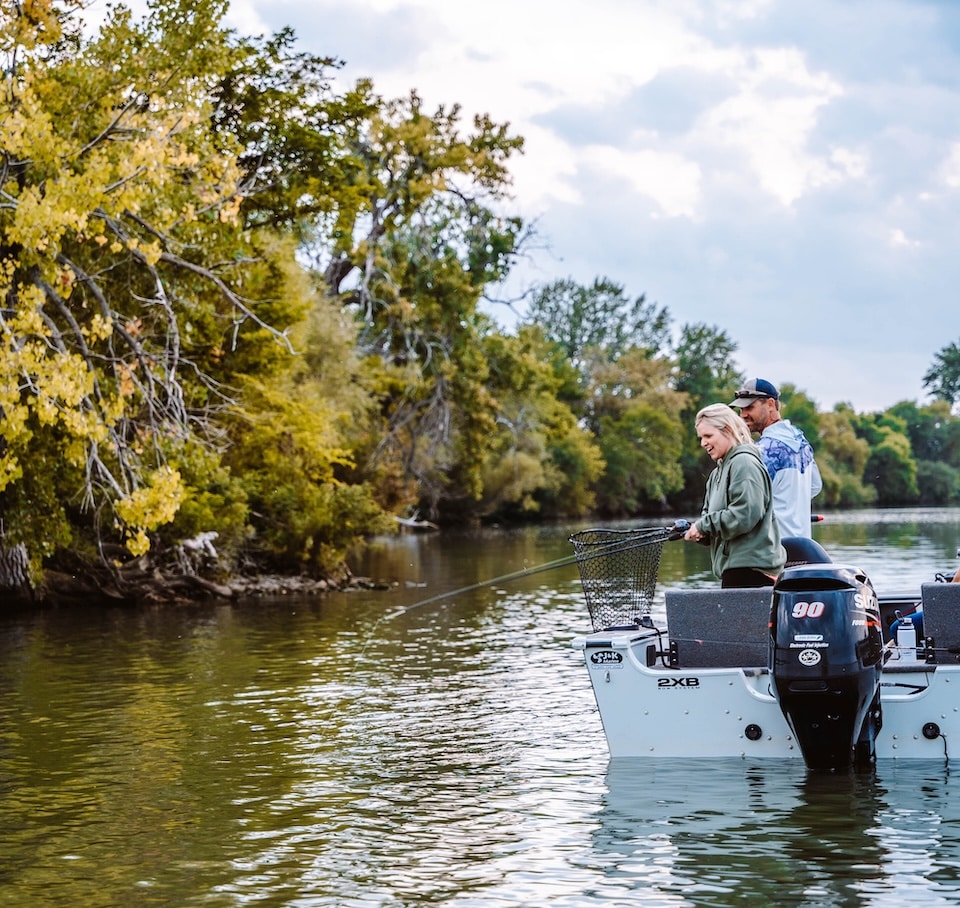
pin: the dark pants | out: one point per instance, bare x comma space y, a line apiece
744, 578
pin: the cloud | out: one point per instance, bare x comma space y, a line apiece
668, 180
950, 168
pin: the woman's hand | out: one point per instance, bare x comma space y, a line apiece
693, 534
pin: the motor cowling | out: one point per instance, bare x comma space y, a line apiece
826, 656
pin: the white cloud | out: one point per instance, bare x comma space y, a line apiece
244, 16
533, 56
770, 120
546, 172
672, 182
950, 168
899, 238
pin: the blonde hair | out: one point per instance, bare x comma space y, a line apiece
726, 419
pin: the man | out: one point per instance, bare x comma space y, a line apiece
786, 453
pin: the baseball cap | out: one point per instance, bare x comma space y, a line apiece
755, 389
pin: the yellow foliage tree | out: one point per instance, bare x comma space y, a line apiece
126, 273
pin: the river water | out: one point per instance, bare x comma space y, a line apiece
364, 749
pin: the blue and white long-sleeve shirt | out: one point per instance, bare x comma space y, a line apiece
794, 473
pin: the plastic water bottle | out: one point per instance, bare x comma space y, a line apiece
907, 640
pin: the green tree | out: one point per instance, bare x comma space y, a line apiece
293, 131
440, 414
634, 413
926, 427
842, 457
112, 185
411, 240
891, 467
932, 432
892, 470
398, 161
950, 442
705, 368
601, 316
796, 406
541, 460
942, 380
147, 299
937, 483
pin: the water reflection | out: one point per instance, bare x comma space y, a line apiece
726, 833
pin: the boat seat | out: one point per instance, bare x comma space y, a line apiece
941, 619
719, 628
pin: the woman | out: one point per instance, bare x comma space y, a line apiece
737, 519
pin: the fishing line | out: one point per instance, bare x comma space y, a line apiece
597, 550
504, 578
633, 540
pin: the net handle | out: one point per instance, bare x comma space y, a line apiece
584, 548
640, 535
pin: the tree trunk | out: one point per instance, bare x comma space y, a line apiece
15, 571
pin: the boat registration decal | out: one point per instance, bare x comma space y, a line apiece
809, 657
607, 658
678, 683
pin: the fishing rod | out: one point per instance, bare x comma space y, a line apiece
632, 539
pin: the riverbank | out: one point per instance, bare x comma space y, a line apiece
59, 589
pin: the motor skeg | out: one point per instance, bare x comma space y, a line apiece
826, 655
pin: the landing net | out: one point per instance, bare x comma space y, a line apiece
618, 570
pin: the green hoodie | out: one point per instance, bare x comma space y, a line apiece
737, 519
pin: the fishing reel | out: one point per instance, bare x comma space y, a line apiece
678, 529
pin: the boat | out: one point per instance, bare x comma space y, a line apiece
819, 668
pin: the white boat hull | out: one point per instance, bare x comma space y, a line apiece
732, 712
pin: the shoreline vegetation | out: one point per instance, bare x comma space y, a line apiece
194, 573
146, 586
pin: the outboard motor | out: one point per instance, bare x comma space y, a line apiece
826, 655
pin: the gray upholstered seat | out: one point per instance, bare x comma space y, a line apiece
719, 628
941, 619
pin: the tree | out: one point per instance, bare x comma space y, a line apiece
635, 415
892, 470
704, 370
601, 316
540, 459
926, 427
110, 185
942, 380
138, 305
934, 435
413, 239
938, 484
891, 467
796, 406
293, 132
398, 160
842, 457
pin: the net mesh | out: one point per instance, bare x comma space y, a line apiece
618, 570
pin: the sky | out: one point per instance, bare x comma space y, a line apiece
786, 172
